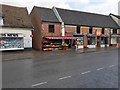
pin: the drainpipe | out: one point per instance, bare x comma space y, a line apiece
60, 20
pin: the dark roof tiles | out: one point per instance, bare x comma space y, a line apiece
46, 14
86, 19
15, 16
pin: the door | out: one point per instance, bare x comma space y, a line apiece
98, 41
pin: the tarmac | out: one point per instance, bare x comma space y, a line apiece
30, 54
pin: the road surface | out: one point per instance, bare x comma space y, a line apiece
75, 70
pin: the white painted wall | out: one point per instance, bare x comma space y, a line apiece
1, 21
91, 46
26, 33
80, 46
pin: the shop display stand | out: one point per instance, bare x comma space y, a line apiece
48, 46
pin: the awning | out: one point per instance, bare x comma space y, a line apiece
115, 35
61, 37
78, 35
91, 35
103, 35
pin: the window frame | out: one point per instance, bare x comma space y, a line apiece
114, 31
51, 29
103, 31
78, 29
90, 30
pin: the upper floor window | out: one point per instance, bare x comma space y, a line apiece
1, 21
90, 30
114, 31
51, 28
103, 31
78, 29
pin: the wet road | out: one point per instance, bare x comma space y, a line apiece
86, 70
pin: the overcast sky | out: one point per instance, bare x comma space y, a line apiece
95, 6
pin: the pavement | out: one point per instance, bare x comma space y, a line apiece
96, 69
30, 54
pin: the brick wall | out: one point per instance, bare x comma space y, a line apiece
45, 29
84, 30
36, 21
41, 29
118, 31
69, 30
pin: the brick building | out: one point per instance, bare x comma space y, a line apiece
70, 27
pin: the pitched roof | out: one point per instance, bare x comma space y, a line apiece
46, 14
86, 19
15, 16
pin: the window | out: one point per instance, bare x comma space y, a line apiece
102, 30
51, 28
114, 31
78, 29
90, 30
91, 41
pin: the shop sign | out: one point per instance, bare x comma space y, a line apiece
8, 35
98, 33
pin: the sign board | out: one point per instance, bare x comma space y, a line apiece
10, 35
98, 33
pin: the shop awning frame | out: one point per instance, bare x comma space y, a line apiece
78, 35
91, 35
60, 37
115, 35
103, 35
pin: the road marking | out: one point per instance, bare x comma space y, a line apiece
100, 68
86, 72
38, 84
64, 77
111, 66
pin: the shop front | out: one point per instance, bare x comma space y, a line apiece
51, 43
104, 41
80, 40
10, 41
115, 39
91, 41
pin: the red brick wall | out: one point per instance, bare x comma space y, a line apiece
118, 31
45, 29
38, 32
70, 29
36, 21
84, 30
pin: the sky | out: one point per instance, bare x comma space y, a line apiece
95, 6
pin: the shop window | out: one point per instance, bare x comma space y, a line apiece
11, 43
90, 30
103, 31
106, 40
51, 28
78, 29
114, 31
91, 41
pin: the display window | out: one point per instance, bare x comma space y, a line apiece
51, 45
114, 40
104, 40
91, 41
80, 41
11, 43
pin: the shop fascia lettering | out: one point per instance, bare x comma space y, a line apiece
8, 35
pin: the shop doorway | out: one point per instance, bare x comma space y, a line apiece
98, 41
68, 41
